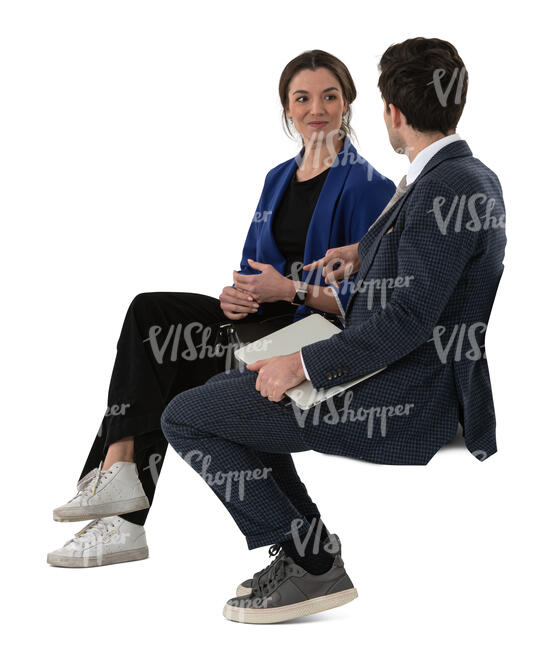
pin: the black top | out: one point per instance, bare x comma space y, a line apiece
293, 216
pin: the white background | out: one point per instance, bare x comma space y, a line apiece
135, 137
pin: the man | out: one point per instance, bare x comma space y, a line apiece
427, 274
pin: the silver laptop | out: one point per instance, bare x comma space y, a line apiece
290, 339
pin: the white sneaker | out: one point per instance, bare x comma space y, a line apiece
116, 491
103, 541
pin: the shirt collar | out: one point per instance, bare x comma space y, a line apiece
423, 157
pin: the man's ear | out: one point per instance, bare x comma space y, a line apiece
396, 116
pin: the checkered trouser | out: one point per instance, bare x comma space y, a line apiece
241, 444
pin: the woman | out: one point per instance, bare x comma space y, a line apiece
327, 196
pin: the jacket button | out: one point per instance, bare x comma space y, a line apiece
328, 375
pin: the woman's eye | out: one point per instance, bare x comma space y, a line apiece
331, 96
302, 97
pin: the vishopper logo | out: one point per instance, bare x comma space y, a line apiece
315, 278
250, 602
116, 409
375, 415
442, 93
103, 541
462, 341
405, 150
381, 287
178, 343
262, 217
330, 546
480, 454
335, 158
228, 479
152, 466
100, 538
473, 212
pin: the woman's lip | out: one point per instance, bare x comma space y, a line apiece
317, 123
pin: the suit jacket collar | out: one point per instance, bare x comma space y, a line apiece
458, 149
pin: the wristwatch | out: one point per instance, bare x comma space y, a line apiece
301, 293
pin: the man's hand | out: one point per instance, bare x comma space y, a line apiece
338, 263
237, 304
277, 374
267, 286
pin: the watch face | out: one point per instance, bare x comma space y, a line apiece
299, 298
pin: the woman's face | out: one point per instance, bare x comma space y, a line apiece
315, 103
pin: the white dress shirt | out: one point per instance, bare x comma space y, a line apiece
423, 157
415, 168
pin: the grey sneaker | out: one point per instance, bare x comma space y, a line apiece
283, 590
245, 588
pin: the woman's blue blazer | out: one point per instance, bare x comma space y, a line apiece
352, 197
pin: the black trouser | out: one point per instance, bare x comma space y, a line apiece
168, 344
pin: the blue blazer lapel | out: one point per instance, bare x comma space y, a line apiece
267, 242
320, 228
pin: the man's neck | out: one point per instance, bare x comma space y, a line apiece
420, 142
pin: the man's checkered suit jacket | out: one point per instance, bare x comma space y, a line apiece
430, 268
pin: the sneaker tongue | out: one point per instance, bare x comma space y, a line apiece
119, 464
86, 479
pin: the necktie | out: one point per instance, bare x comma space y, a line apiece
367, 239
400, 191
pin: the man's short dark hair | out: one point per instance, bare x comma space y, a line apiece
427, 80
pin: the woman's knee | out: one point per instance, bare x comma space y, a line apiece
145, 301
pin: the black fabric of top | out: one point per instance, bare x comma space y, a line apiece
293, 216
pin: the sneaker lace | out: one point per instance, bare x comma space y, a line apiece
89, 483
95, 528
267, 577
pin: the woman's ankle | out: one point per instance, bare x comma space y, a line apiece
122, 450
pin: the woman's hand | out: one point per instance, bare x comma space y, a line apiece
237, 304
267, 286
338, 263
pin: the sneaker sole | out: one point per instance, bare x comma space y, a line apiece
288, 612
85, 513
107, 558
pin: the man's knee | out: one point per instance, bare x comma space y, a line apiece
178, 421
172, 420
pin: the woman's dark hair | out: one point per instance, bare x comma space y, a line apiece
311, 60
427, 80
